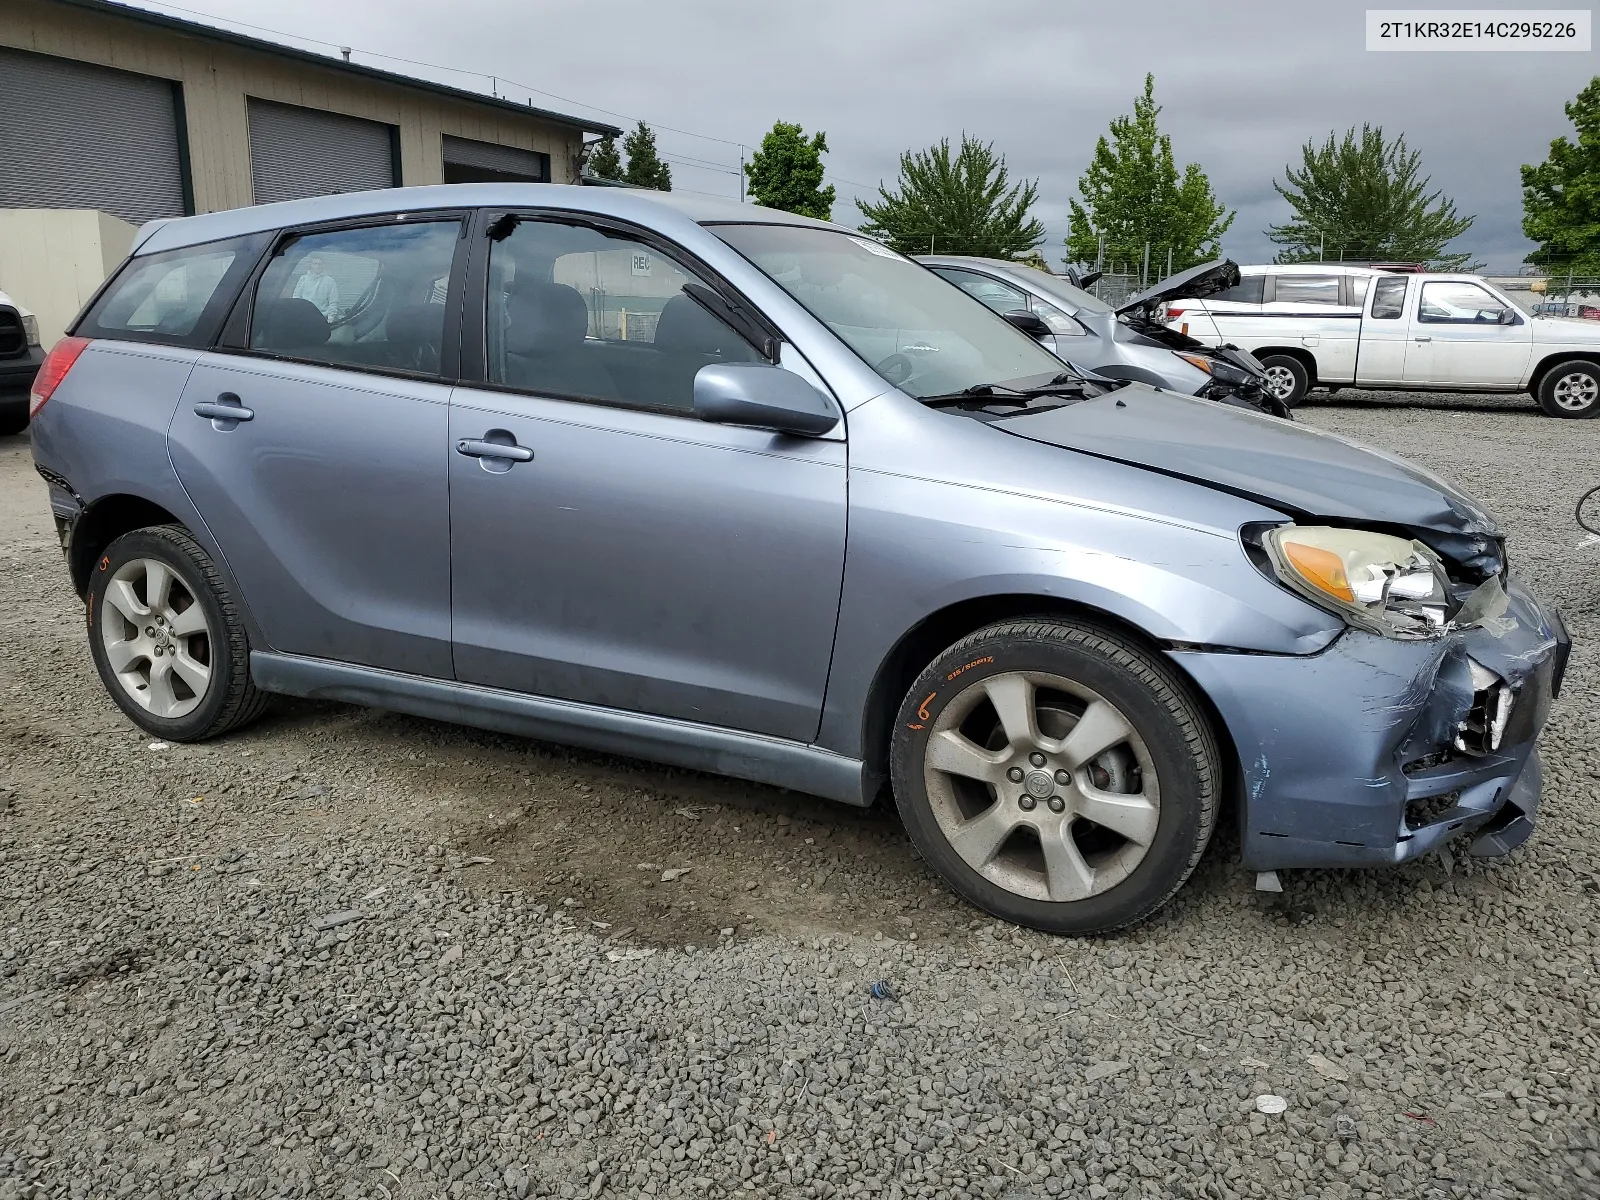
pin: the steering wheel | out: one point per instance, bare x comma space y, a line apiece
897, 368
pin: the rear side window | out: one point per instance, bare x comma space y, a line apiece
177, 297
1248, 290
1307, 289
1358, 288
371, 298
1389, 299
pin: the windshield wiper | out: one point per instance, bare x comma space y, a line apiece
1063, 384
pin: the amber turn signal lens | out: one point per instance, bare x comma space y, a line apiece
1320, 568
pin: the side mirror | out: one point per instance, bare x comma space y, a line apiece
762, 397
1507, 317
1030, 323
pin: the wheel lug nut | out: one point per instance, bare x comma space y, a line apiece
1057, 804
149, 631
1063, 777
1036, 759
1015, 774
1028, 803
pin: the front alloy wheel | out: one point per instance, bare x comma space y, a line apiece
1056, 774
1042, 786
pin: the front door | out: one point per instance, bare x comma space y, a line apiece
1464, 335
316, 451
607, 546
1385, 333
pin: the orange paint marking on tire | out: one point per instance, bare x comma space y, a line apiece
922, 709
105, 561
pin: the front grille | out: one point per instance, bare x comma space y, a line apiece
13, 338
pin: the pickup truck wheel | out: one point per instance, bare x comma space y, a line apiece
1287, 378
1056, 775
1571, 390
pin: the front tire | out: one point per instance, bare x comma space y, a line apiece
167, 639
1057, 775
1571, 390
1288, 381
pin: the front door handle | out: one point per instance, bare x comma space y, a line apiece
491, 447
1424, 339
226, 412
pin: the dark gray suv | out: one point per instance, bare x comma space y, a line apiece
741, 491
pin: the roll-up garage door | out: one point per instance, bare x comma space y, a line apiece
75, 135
297, 152
467, 161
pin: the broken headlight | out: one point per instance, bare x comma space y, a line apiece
1376, 582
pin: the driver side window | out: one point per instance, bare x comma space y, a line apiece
371, 298
1453, 302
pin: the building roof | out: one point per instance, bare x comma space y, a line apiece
198, 29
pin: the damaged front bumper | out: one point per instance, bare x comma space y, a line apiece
1376, 751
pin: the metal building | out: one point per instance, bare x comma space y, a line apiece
142, 115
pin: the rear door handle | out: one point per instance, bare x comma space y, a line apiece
1424, 339
226, 411
483, 448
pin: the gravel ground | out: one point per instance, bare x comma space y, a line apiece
527, 995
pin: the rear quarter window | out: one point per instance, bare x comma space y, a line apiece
1248, 290
176, 297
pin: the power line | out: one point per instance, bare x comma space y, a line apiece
435, 67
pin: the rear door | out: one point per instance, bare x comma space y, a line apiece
1385, 332
1463, 335
315, 444
608, 546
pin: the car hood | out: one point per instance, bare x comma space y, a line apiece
1303, 472
1194, 284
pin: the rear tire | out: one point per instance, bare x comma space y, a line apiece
166, 637
1287, 378
1081, 818
1571, 390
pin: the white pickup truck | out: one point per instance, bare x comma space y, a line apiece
1325, 325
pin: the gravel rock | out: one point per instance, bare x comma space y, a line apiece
556, 1022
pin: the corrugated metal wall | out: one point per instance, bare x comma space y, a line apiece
506, 160
74, 135
297, 152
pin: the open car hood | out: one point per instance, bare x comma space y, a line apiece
1194, 284
1306, 473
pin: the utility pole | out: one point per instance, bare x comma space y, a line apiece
1169, 260
741, 174
1322, 240
1144, 276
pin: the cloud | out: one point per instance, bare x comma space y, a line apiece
1242, 86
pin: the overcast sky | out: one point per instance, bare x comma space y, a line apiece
1242, 85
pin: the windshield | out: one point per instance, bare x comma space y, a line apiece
1053, 285
925, 336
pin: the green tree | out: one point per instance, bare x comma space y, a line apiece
1133, 194
1365, 198
604, 161
959, 205
1561, 196
786, 172
645, 168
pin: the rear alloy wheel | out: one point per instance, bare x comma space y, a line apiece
1571, 390
1288, 381
167, 639
1056, 775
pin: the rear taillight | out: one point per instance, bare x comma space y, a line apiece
1174, 313
53, 370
